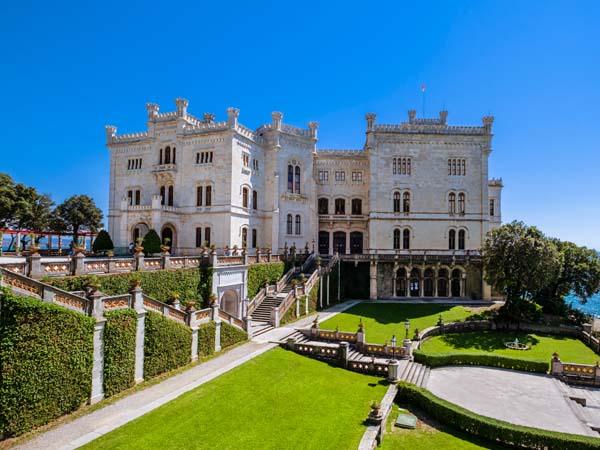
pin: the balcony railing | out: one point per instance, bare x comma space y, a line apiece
165, 168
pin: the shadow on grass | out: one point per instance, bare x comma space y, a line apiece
487, 340
395, 312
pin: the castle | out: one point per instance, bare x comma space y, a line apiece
415, 202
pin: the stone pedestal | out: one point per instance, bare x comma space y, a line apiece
218, 336
248, 324
393, 370
34, 262
344, 350
407, 344
77, 264
137, 304
139, 261
97, 393
373, 281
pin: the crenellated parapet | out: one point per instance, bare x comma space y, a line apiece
495, 182
437, 125
344, 153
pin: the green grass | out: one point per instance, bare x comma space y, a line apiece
279, 400
430, 435
542, 346
383, 320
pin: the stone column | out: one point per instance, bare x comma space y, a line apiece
421, 283
435, 284
393, 370
34, 262
193, 324
213, 259
321, 292
297, 307
328, 276
373, 283
306, 306
138, 305
463, 284
344, 346
97, 312
407, 344
77, 264
248, 324
139, 261
218, 335
165, 260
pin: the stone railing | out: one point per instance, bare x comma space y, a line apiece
79, 264
231, 320
575, 373
117, 302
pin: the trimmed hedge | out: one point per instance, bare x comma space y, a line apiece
491, 429
259, 274
491, 360
231, 335
188, 282
167, 345
206, 339
119, 350
46, 356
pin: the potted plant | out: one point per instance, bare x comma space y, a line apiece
110, 253
294, 282
213, 248
93, 283
174, 297
190, 305
79, 246
34, 248
235, 250
135, 281
165, 246
302, 278
138, 245
212, 298
375, 416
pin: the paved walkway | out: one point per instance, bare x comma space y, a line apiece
97, 423
521, 398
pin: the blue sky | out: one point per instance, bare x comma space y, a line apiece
68, 69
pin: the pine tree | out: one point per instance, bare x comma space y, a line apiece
103, 242
151, 242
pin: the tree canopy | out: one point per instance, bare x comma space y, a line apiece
534, 271
75, 213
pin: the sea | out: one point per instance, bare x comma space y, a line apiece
591, 306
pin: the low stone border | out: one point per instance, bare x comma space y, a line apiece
374, 433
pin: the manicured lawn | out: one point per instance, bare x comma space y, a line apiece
430, 435
542, 346
279, 400
383, 320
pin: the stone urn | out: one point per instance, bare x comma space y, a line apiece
375, 416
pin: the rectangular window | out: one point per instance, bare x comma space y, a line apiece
340, 175
208, 197
492, 209
207, 236
357, 176
198, 237
199, 196
134, 163
130, 197
457, 166
255, 165
138, 197
323, 176
253, 237
356, 206
246, 159
204, 158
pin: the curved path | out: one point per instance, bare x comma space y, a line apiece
521, 398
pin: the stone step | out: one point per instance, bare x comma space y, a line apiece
421, 377
262, 330
426, 377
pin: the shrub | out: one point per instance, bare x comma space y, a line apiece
158, 284
491, 360
119, 350
259, 274
231, 335
103, 242
206, 339
151, 242
491, 429
46, 355
167, 345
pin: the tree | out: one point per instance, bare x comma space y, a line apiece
579, 274
75, 213
520, 261
103, 242
151, 242
7, 199
32, 210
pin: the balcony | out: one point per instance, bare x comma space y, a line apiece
342, 217
165, 168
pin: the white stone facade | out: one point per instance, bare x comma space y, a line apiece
423, 185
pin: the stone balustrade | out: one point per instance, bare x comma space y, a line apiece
583, 374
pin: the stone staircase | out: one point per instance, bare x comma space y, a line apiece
584, 402
409, 370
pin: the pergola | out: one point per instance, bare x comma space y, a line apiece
49, 235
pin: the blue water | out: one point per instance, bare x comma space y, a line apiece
592, 306
43, 243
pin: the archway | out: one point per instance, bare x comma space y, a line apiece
139, 231
230, 302
339, 242
428, 283
415, 283
168, 232
455, 283
401, 283
324, 242
442, 283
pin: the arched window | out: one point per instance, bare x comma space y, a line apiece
244, 237
208, 199
207, 236
170, 195
298, 224
461, 203
168, 155
297, 183
162, 195
323, 206
290, 178
290, 224
452, 203
406, 202
396, 239
199, 196
406, 239
253, 237
254, 200
245, 197
396, 202
356, 206
160, 160
451, 240
340, 206
461, 240
174, 154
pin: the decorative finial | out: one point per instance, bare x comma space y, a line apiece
232, 116
208, 117
277, 118
313, 129
111, 133
182, 105
412, 114
443, 117
152, 109
487, 123
370, 120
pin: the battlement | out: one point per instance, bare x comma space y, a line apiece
495, 182
352, 153
430, 125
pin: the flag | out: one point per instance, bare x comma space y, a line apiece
422, 88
